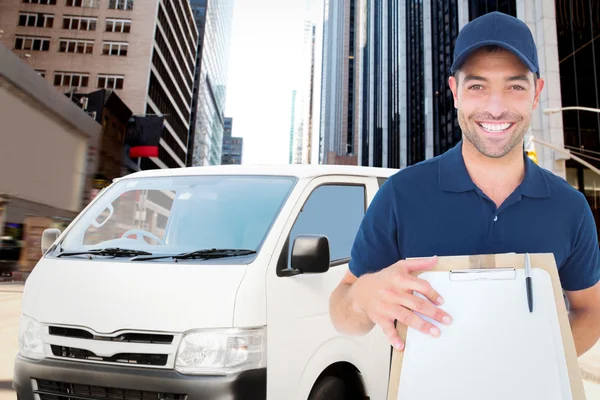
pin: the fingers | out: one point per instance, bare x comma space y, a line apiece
420, 264
389, 330
410, 319
417, 304
424, 307
422, 286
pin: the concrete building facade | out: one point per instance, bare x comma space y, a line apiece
54, 135
143, 50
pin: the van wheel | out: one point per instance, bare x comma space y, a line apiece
328, 388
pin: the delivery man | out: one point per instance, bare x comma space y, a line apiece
483, 196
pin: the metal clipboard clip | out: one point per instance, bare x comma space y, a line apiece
483, 274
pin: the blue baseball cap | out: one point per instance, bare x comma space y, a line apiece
499, 29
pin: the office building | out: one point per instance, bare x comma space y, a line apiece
303, 100
213, 19
232, 146
406, 109
339, 128
292, 149
143, 50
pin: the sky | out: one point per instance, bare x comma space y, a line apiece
266, 46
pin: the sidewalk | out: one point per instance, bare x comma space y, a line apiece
10, 309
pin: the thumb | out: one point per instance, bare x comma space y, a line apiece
419, 264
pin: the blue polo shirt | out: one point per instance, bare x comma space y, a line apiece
434, 208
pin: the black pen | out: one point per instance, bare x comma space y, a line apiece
528, 282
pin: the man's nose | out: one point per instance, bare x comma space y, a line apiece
496, 105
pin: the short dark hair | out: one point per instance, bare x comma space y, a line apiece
491, 48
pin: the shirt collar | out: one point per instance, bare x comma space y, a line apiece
454, 177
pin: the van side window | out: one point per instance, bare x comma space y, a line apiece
335, 211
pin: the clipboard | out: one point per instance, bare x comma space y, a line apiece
498, 274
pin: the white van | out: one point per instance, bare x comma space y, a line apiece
203, 283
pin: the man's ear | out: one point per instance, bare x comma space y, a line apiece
539, 85
453, 83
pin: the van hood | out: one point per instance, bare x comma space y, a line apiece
117, 295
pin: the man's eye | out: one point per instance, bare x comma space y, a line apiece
518, 87
476, 87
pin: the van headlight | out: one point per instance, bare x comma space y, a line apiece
30, 338
221, 352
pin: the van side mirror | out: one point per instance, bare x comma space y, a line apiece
48, 238
310, 255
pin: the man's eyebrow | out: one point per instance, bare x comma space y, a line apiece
475, 78
518, 78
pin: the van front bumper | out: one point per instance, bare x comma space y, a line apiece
53, 379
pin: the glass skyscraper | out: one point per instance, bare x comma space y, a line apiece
406, 110
232, 146
213, 19
338, 139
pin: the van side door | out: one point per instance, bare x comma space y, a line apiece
301, 340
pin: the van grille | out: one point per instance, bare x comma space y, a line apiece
124, 358
126, 337
53, 390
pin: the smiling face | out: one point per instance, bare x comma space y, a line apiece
495, 94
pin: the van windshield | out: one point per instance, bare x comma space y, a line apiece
173, 215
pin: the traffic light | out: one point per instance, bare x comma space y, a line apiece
530, 148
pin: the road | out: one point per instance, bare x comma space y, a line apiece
10, 306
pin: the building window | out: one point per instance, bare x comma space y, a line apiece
478, 8
110, 81
82, 3
415, 81
36, 20
394, 27
45, 2
378, 77
41, 72
114, 48
118, 25
32, 43
444, 28
76, 46
126, 5
79, 23
71, 79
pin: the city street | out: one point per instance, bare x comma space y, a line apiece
10, 303
10, 307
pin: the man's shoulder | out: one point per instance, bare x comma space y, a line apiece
561, 190
417, 173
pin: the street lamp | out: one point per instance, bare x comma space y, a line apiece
549, 111
562, 150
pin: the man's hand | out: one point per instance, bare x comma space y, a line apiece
387, 295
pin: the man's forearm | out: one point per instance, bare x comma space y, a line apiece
345, 317
585, 325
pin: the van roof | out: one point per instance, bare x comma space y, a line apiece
296, 170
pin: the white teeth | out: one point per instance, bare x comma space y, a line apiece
495, 127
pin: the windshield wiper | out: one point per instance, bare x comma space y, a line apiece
203, 254
109, 251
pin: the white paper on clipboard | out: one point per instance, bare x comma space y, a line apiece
495, 348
